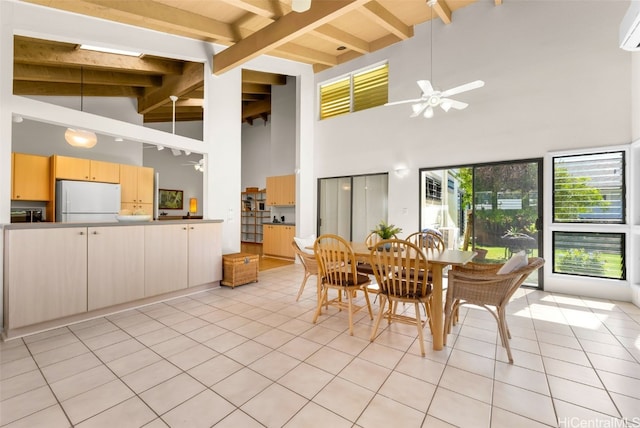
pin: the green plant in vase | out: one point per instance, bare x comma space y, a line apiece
386, 231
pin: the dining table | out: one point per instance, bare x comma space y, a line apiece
438, 261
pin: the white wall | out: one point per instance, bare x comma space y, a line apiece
555, 79
256, 153
283, 127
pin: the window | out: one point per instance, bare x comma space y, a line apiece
589, 254
589, 188
433, 189
355, 92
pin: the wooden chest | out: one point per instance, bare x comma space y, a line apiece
239, 268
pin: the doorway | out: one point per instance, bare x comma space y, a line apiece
352, 206
493, 209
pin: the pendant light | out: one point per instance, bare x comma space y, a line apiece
80, 137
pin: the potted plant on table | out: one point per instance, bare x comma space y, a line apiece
386, 231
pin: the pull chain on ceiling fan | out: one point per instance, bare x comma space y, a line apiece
432, 98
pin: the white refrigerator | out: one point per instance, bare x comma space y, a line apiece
86, 201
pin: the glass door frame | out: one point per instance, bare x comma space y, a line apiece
540, 177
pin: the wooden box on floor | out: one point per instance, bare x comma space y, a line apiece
239, 269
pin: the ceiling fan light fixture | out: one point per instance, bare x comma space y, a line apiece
80, 138
428, 113
160, 148
300, 5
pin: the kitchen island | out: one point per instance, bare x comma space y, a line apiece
60, 273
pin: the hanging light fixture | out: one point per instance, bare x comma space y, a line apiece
80, 137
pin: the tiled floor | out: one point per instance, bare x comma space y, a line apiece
250, 357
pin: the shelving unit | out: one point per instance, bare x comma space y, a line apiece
254, 215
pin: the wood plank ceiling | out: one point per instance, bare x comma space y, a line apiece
331, 32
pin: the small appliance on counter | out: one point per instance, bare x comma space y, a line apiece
20, 215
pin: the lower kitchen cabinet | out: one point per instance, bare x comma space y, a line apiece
166, 257
277, 240
115, 255
205, 253
49, 287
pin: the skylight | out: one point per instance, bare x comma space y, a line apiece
109, 50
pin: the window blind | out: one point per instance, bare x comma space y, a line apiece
371, 88
335, 98
589, 254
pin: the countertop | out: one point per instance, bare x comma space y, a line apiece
50, 225
279, 224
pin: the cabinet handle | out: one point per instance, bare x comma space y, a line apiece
93, 178
184, 228
95, 233
81, 233
191, 228
17, 196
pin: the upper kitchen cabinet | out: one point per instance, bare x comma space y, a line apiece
281, 190
68, 168
30, 177
137, 187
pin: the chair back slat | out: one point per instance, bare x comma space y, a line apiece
401, 270
336, 260
428, 240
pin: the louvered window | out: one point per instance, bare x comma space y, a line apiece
355, 92
589, 188
589, 254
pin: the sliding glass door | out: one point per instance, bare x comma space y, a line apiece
494, 209
352, 206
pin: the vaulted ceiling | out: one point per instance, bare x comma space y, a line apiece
331, 32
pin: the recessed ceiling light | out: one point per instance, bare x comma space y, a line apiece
341, 48
118, 139
109, 50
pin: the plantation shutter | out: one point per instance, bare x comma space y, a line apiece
589, 188
335, 98
371, 88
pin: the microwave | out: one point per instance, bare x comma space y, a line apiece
26, 216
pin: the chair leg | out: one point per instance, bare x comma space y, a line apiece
304, 282
504, 331
366, 297
419, 325
321, 301
350, 301
383, 302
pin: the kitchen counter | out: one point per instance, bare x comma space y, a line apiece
50, 225
281, 224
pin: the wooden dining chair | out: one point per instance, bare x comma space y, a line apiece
487, 288
308, 260
371, 240
337, 270
397, 271
428, 240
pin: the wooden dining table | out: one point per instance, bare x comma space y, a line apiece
438, 260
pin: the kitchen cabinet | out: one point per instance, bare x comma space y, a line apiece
166, 256
115, 257
205, 253
48, 287
30, 177
281, 190
277, 240
253, 215
68, 168
137, 188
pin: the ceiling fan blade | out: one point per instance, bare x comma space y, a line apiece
418, 109
404, 102
426, 87
447, 104
463, 88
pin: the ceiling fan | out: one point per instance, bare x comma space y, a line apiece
198, 166
432, 98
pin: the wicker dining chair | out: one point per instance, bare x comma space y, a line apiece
399, 272
483, 286
310, 264
337, 270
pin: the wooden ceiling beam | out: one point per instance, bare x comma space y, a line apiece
381, 16
253, 76
180, 117
256, 108
73, 89
35, 73
284, 30
442, 10
27, 52
191, 79
300, 53
266, 8
342, 38
252, 97
255, 88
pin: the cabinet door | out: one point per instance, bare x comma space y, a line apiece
31, 177
115, 257
54, 285
67, 168
205, 253
288, 187
270, 239
128, 184
106, 172
165, 262
272, 191
145, 185
286, 237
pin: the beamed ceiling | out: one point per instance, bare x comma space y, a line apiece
331, 32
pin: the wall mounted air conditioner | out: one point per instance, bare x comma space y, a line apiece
630, 28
